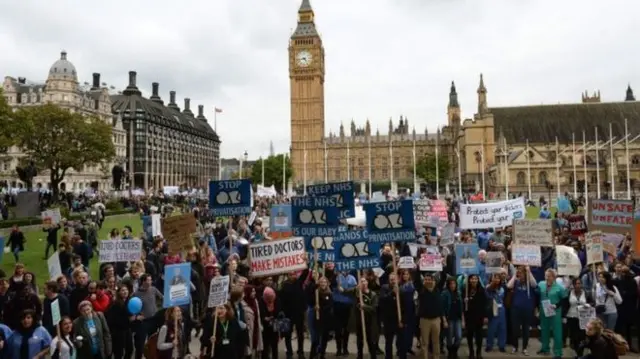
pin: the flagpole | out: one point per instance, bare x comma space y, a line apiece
370, 174
415, 173
482, 163
459, 169
573, 162
262, 177
438, 170
219, 166
626, 153
584, 162
597, 165
557, 168
506, 167
305, 168
391, 161
284, 174
348, 163
612, 166
326, 168
528, 170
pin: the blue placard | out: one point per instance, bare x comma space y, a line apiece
2, 251
390, 221
280, 221
147, 227
323, 245
342, 192
230, 198
467, 258
177, 285
356, 252
314, 216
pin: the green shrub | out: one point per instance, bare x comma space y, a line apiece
113, 205
32, 221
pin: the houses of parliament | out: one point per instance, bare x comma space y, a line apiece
528, 146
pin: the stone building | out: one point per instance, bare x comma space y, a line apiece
490, 145
63, 89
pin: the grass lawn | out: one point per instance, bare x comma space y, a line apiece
33, 254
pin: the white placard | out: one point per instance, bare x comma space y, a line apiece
593, 241
277, 256
448, 234
218, 291
120, 250
524, 255
51, 216
430, 262
53, 263
421, 210
493, 262
156, 225
406, 262
568, 261
533, 231
585, 315
491, 215
252, 218
55, 312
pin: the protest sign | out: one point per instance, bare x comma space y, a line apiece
53, 264
611, 216
323, 246
230, 197
593, 241
156, 225
353, 251
280, 221
533, 231
568, 262
438, 209
526, 255
467, 258
491, 215
218, 291
430, 262
493, 262
55, 312
177, 285
343, 192
277, 256
448, 234
611, 241
120, 250
577, 224
51, 217
406, 262
177, 232
421, 209
390, 221
585, 315
314, 216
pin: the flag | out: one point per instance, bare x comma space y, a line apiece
218, 110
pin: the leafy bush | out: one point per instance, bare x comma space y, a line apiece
113, 205
34, 221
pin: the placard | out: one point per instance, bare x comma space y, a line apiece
593, 242
533, 232
448, 234
53, 264
343, 192
421, 209
567, 261
230, 197
526, 255
390, 221
177, 285
218, 291
467, 258
55, 312
491, 214
156, 225
612, 216
277, 256
406, 262
314, 216
353, 251
51, 217
439, 209
493, 262
577, 224
177, 231
430, 262
585, 315
280, 221
120, 250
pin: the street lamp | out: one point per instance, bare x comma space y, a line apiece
244, 158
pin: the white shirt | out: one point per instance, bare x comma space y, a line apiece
65, 350
575, 303
609, 301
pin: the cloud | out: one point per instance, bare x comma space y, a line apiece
383, 57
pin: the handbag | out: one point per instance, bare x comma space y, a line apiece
601, 308
281, 324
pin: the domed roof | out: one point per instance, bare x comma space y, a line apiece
63, 66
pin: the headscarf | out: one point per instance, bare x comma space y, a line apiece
269, 296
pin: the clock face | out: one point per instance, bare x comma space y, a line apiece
303, 58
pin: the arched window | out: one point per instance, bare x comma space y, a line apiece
520, 179
542, 177
635, 160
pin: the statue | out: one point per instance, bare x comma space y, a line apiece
117, 173
26, 175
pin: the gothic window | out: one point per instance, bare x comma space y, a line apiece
542, 177
635, 160
594, 178
478, 156
520, 179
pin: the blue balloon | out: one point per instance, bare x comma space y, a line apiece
134, 306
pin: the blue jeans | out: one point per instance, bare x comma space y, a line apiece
311, 320
497, 328
609, 320
16, 255
521, 319
454, 332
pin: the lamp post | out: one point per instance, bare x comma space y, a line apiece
243, 159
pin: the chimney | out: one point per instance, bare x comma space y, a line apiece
201, 113
22, 80
155, 97
132, 89
172, 101
187, 107
96, 81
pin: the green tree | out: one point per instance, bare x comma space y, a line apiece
272, 171
7, 135
57, 140
426, 168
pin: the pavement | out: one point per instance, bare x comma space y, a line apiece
534, 347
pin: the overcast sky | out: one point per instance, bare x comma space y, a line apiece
383, 57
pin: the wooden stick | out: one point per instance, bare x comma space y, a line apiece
215, 330
395, 271
364, 327
175, 328
317, 270
466, 289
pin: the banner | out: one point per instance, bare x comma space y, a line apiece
177, 285
467, 258
612, 216
568, 261
390, 221
278, 256
526, 255
120, 250
280, 221
421, 209
323, 246
353, 251
343, 192
430, 262
533, 231
230, 197
218, 291
314, 216
593, 241
491, 215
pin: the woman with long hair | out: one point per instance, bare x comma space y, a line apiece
227, 342
523, 304
497, 320
453, 311
407, 291
475, 314
62, 346
367, 302
578, 299
322, 315
269, 310
29, 340
170, 340
119, 321
253, 321
607, 298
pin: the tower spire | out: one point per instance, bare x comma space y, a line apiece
305, 6
630, 96
306, 27
453, 96
482, 97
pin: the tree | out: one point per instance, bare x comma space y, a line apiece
7, 138
272, 171
57, 140
426, 168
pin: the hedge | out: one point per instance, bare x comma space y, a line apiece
33, 221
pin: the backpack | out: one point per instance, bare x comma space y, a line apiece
616, 341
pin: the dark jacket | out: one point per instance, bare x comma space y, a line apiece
47, 320
16, 240
78, 294
80, 329
290, 296
430, 303
118, 317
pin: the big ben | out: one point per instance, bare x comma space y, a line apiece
306, 76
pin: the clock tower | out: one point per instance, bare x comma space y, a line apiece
306, 78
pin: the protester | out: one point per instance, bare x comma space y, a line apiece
29, 340
63, 347
92, 333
